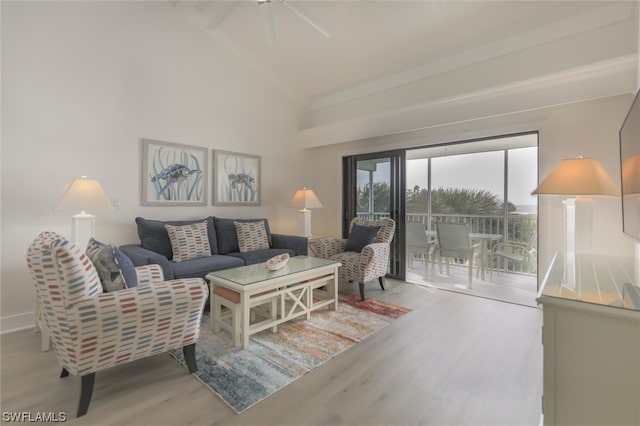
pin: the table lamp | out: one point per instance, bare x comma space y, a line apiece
305, 199
579, 179
84, 195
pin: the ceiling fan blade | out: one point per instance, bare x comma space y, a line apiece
224, 10
268, 22
307, 18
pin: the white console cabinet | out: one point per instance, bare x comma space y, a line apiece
591, 338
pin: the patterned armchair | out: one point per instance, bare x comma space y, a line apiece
92, 330
365, 266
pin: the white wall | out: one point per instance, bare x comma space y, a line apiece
587, 128
83, 82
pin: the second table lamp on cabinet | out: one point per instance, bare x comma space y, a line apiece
578, 179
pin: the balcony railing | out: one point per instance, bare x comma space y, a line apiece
517, 228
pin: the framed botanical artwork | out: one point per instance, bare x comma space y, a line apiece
173, 174
236, 179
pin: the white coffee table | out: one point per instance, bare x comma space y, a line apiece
289, 292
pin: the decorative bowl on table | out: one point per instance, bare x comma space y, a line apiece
277, 262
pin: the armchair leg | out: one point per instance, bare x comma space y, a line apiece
86, 391
381, 280
361, 285
189, 353
64, 373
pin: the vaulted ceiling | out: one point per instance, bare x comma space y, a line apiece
325, 54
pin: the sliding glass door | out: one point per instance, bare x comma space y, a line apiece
485, 184
374, 186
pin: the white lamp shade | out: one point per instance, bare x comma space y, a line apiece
578, 176
84, 195
305, 199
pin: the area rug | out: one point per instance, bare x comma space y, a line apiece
242, 378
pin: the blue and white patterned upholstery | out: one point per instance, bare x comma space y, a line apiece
367, 265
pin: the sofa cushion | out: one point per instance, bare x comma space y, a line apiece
153, 236
251, 236
115, 269
198, 268
259, 256
188, 241
227, 237
361, 236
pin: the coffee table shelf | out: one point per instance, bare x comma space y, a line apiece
288, 293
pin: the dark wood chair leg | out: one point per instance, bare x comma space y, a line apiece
86, 391
381, 279
361, 285
64, 373
189, 353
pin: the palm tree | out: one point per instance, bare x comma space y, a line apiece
463, 202
467, 201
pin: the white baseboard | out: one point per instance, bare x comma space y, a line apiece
17, 322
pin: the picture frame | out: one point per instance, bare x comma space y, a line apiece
236, 179
173, 174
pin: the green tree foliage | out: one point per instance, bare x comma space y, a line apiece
444, 200
417, 199
381, 197
467, 201
456, 201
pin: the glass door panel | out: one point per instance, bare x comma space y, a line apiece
485, 184
522, 222
372, 187
468, 188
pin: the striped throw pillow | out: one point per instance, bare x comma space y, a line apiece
189, 241
251, 236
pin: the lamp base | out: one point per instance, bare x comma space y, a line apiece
304, 219
82, 229
578, 213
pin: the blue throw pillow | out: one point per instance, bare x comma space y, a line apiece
127, 268
361, 236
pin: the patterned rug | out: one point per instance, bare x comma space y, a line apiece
242, 378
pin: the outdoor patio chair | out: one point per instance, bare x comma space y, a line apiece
514, 251
92, 330
419, 245
454, 243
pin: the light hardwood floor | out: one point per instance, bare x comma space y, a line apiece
454, 360
506, 287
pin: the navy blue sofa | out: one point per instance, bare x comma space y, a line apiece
155, 247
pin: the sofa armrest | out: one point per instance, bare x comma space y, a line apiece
294, 242
327, 247
141, 256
